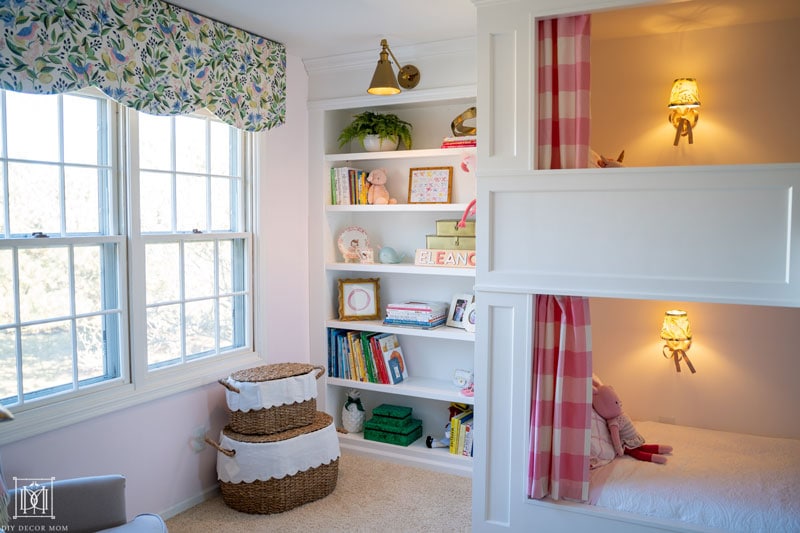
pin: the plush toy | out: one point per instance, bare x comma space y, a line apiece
378, 194
624, 436
601, 161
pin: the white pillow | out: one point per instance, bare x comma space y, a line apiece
602, 449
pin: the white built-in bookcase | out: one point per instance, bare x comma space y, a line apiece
432, 356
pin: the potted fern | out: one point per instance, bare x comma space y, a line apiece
377, 131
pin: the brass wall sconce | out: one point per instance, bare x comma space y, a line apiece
677, 335
684, 101
384, 81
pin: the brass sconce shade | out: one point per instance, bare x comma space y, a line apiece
384, 81
684, 101
677, 334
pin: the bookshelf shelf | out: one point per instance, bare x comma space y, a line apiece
433, 389
431, 355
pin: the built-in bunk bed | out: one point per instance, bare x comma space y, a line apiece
722, 234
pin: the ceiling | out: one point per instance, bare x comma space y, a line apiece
322, 28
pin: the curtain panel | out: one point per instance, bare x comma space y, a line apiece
146, 54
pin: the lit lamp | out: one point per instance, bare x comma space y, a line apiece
678, 337
683, 101
384, 81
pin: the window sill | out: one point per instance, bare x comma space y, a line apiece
108, 399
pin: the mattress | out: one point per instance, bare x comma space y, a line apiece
714, 480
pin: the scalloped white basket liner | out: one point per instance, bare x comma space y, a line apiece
268, 460
255, 395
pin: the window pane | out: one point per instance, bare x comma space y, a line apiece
91, 348
88, 280
162, 273
2, 200
8, 364
33, 119
200, 327
46, 357
6, 287
35, 193
155, 142
223, 151
190, 194
156, 202
198, 265
225, 271
81, 130
82, 200
221, 204
226, 320
190, 144
43, 283
163, 334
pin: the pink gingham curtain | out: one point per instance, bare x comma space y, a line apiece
563, 92
561, 399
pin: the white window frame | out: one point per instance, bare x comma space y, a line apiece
137, 384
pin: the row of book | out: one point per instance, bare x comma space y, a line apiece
464, 141
365, 356
417, 314
349, 186
461, 428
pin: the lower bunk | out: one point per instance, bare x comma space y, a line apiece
713, 480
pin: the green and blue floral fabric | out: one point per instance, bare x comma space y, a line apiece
147, 54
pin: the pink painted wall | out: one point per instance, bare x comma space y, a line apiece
149, 443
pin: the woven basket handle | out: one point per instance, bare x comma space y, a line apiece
229, 453
224, 383
321, 370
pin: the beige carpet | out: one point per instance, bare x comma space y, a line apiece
370, 496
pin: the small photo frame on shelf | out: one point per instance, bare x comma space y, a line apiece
457, 315
359, 299
430, 185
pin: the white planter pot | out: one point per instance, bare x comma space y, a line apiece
373, 143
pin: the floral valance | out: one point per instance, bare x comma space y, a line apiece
147, 54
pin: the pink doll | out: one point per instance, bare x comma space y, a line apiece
624, 436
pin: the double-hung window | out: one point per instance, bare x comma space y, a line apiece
125, 251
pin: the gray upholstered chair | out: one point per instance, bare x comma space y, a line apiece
88, 504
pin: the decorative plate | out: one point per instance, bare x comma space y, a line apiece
351, 240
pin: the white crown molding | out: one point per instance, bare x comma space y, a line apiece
406, 54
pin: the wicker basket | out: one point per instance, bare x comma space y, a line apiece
277, 495
280, 417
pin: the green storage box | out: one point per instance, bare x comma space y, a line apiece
400, 436
438, 242
392, 411
450, 228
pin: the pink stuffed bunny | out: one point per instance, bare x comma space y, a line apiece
624, 436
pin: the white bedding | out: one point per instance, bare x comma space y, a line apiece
713, 479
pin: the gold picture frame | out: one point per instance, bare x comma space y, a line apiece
430, 185
359, 299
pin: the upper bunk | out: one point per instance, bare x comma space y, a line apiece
710, 221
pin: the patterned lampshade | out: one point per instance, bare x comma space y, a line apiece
676, 330
684, 93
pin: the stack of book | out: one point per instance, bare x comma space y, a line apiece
365, 356
416, 314
349, 186
464, 141
461, 430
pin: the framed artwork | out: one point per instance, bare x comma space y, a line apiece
359, 299
457, 315
430, 185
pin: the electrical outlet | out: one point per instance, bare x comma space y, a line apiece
198, 440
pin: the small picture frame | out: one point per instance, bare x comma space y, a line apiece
457, 315
430, 185
359, 299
